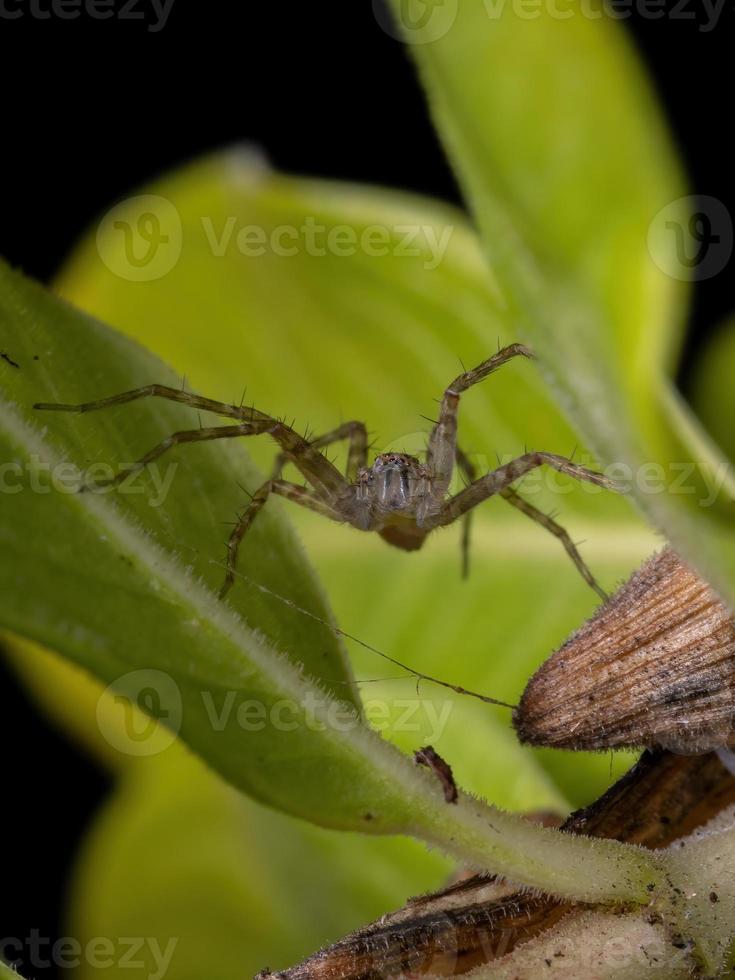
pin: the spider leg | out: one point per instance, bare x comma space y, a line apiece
558, 531
442, 446
327, 494
176, 439
467, 467
159, 391
299, 495
500, 479
324, 477
355, 432
316, 468
496, 480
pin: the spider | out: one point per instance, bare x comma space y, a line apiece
398, 496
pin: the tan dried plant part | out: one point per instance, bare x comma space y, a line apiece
481, 919
429, 757
655, 667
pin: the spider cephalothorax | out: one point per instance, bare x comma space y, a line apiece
399, 497
395, 483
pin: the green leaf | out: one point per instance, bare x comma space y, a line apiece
574, 182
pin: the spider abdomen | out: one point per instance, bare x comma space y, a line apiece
405, 535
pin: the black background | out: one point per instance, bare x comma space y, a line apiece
92, 109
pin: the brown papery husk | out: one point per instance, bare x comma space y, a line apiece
654, 667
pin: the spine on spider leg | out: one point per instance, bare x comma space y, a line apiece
654, 667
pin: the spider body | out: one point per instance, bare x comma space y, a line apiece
400, 497
395, 497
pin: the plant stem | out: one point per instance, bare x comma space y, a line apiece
569, 866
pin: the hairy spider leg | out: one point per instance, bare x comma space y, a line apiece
299, 495
323, 476
545, 520
159, 391
357, 452
176, 439
501, 478
558, 531
356, 459
469, 472
442, 448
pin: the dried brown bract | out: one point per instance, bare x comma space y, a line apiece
480, 919
654, 667
429, 757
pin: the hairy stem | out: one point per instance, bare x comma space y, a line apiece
574, 867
